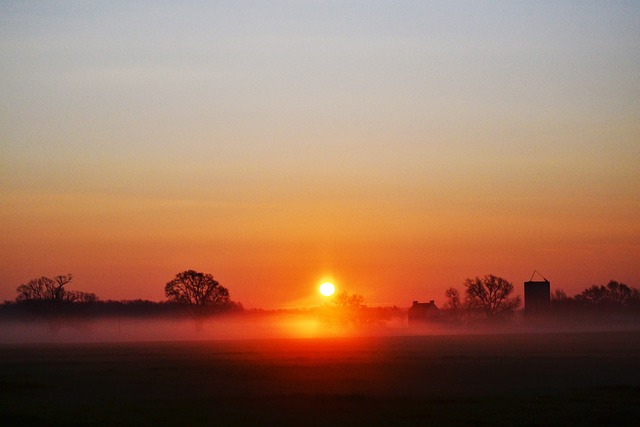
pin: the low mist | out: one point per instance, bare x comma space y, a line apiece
231, 327
266, 326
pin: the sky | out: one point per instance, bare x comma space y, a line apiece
393, 147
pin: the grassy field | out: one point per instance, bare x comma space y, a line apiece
540, 379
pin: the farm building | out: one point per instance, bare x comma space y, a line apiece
421, 312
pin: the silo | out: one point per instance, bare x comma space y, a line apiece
537, 296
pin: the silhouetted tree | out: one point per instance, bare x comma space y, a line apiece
619, 293
614, 294
44, 289
490, 295
453, 302
199, 292
345, 309
349, 301
559, 295
49, 297
593, 295
80, 297
453, 307
562, 305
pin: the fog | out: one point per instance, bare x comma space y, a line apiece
267, 326
233, 327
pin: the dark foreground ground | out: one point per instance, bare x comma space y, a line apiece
546, 379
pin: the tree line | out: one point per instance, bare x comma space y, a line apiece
190, 293
198, 296
613, 300
490, 297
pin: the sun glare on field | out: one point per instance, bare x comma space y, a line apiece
327, 289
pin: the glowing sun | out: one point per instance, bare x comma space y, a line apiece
327, 289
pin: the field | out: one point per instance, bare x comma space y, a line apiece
510, 379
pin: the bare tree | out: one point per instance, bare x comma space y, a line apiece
49, 297
199, 292
345, 309
453, 300
348, 301
491, 295
453, 308
44, 289
559, 295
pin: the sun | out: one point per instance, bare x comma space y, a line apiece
327, 289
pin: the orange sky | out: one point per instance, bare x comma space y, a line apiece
396, 149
